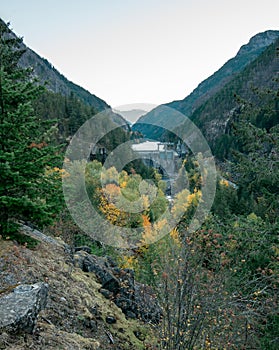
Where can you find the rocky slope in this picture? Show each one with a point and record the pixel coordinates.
(54, 81)
(208, 88)
(81, 310)
(57, 83)
(215, 116)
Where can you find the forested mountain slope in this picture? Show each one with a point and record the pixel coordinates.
(58, 84)
(215, 115)
(208, 88)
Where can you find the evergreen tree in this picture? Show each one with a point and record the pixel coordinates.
(29, 183)
(256, 164)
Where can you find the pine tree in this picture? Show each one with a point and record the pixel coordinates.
(29, 187)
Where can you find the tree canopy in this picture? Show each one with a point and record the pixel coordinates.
(29, 172)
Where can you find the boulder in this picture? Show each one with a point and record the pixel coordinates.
(110, 319)
(91, 263)
(134, 299)
(19, 309)
(84, 248)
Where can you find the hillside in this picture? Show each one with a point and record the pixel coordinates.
(55, 81)
(214, 116)
(58, 84)
(79, 313)
(208, 88)
(246, 54)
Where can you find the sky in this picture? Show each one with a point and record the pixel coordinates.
(139, 51)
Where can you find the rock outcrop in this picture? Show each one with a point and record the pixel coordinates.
(79, 314)
(20, 308)
(134, 299)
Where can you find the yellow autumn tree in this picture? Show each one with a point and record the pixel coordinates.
(108, 196)
(185, 200)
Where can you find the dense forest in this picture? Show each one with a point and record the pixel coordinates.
(217, 286)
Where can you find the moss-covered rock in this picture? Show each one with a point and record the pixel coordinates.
(76, 311)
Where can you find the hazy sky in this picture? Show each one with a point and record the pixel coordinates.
(145, 51)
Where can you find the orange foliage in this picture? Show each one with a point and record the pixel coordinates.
(111, 192)
(37, 145)
(108, 197)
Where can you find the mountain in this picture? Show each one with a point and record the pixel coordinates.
(57, 83)
(259, 77)
(208, 88)
(131, 115)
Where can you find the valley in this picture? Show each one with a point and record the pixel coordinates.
(141, 228)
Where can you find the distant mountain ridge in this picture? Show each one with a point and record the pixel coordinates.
(131, 115)
(208, 88)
